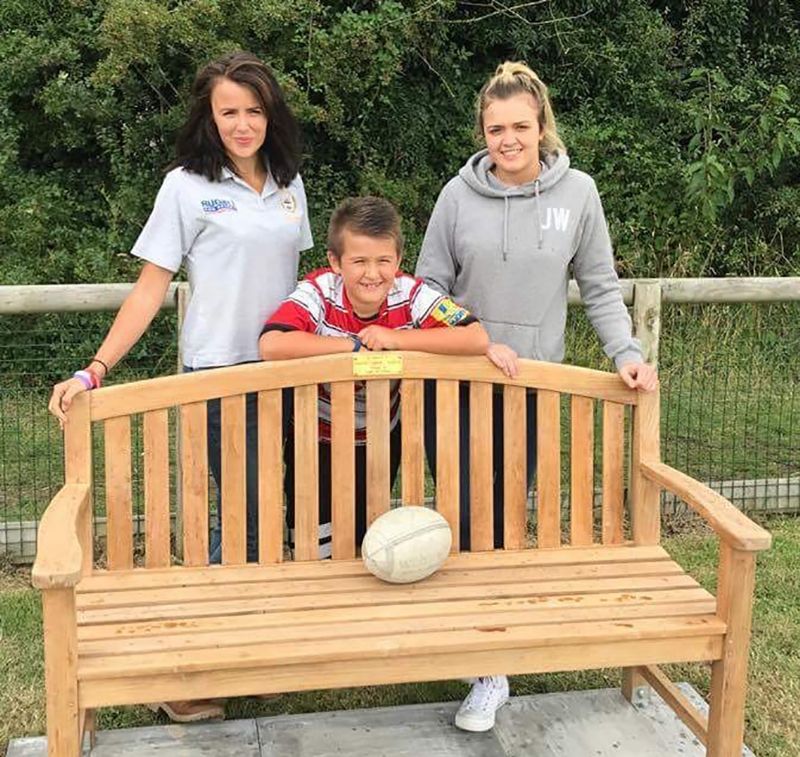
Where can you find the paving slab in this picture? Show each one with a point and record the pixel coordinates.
(598, 723)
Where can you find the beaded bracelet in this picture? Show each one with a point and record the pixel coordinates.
(100, 362)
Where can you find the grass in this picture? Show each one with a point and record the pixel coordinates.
(730, 400)
(772, 728)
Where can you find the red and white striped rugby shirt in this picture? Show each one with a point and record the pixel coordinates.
(320, 305)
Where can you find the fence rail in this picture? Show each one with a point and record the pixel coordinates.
(728, 352)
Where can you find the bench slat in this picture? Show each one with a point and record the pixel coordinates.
(119, 498)
(345, 585)
(306, 479)
(613, 460)
(358, 629)
(224, 606)
(515, 492)
(156, 488)
(692, 597)
(194, 483)
(343, 462)
(447, 456)
(391, 645)
(481, 473)
(270, 478)
(582, 471)
(412, 431)
(548, 476)
(234, 461)
(102, 581)
(378, 422)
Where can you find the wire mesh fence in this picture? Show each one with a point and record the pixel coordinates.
(730, 378)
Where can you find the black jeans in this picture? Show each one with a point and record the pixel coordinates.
(214, 439)
(497, 453)
(325, 484)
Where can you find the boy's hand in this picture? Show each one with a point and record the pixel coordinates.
(639, 376)
(379, 338)
(504, 358)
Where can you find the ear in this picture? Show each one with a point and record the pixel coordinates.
(333, 262)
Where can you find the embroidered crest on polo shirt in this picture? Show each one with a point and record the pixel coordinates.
(288, 202)
(218, 206)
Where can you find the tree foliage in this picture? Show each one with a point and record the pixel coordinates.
(685, 114)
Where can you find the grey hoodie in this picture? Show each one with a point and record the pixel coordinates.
(504, 252)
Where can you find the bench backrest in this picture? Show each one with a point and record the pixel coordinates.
(171, 412)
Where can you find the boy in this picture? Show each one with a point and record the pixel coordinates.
(363, 301)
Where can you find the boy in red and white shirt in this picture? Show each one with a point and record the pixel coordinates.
(363, 301)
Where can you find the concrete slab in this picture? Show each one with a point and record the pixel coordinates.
(412, 731)
(598, 723)
(234, 738)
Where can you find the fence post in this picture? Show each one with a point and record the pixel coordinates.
(182, 297)
(647, 318)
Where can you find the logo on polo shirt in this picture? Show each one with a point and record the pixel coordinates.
(449, 312)
(288, 202)
(218, 206)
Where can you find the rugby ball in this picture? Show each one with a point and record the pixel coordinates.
(406, 544)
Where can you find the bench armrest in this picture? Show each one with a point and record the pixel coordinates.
(732, 525)
(59, 553)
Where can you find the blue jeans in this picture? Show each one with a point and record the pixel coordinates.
(497, 453)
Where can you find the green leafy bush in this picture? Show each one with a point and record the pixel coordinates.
(685, 114)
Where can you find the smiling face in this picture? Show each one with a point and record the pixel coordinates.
(241, 121)
(368, 265)
(511, 131)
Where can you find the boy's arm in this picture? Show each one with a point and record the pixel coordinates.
(284, 345)
(290, 332)
(470, 339)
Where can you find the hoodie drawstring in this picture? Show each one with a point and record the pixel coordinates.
(505, 228)
(506, 210)
(538, 213)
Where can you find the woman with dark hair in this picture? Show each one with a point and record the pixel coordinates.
(233, 207)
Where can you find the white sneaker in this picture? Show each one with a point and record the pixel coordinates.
(477, 711)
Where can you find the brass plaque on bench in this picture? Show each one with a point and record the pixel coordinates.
(377, 364)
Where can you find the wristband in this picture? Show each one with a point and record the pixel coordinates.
(85, 378)
(357, 343)
(89, 379)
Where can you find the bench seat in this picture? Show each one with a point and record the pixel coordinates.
(147, 635)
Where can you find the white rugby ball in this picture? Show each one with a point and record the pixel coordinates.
(406, 544)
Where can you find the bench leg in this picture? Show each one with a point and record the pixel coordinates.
(88, 726)
(60, 672)
(632, 682)
(729, 674)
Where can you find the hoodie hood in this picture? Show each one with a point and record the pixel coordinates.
(506, 252)
(477, 174)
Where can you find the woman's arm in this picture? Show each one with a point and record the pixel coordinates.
(133, 318)
(285, 345)
(456, 340)
(436, 263)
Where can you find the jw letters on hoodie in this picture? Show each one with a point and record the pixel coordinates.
(505, 252)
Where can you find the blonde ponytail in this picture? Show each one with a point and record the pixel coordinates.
(514, 78)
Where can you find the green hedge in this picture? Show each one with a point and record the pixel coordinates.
(683, 112)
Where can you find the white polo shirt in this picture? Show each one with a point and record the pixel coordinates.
(242, 253)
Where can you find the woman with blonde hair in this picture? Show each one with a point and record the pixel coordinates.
(502, 239)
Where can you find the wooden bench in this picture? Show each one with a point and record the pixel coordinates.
(593, 592)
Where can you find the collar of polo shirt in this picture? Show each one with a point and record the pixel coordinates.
(269, 185)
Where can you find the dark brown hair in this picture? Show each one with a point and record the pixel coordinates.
(370, 216)
(199, 148)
